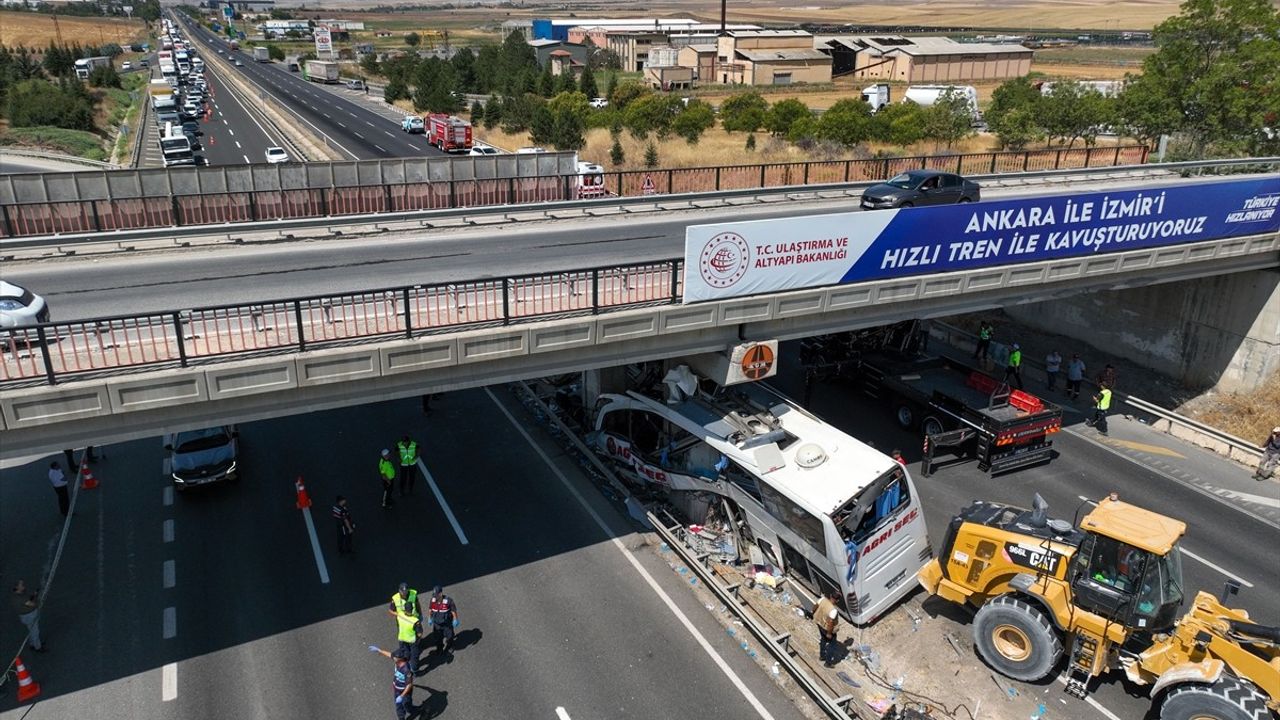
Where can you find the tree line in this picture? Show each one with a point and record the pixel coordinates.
(42, 90)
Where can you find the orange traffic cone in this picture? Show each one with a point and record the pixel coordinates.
(89, 481)
(304, 501)
(28, 689)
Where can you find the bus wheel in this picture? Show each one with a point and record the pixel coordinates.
(906, 418)
(1016, 639)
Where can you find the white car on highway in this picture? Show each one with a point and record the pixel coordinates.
(277, 155)
(19, 307)
(485, 150)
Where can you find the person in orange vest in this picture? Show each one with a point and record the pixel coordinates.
(825, 616)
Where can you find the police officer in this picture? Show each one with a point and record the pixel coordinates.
(1101, 404)
(444, 618)
(404, 608)
(346, 527)
(387, 472)
(406, 599)
(1014, 370)
(408, 450)
(401, 682)
(981, 352)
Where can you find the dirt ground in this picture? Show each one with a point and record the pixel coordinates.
(905, 658)
(37, 30)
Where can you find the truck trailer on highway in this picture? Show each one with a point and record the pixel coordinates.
(85, 66)
(261, 54)
(321, 71)
(927, 95)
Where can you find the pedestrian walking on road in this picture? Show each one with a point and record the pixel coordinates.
(1101, 404)
(401, 682)
(825, 616)
(982, 351)
(1052, 367)
(26, 604)
(1270, 456)
(58, 480)
(408, 450)
(406, 599)
(444, 618)
(1013, 371)
(346, 528)
(1075, 376)
(387, 472)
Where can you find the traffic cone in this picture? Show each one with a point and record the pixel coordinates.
(304, 501)
(88, 482)
(28, 689)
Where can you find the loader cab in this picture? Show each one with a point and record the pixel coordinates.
(1129, 567)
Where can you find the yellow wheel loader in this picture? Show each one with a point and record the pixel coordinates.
(1105, 592)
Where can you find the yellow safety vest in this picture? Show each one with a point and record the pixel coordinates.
(386, 469)
(408, 452)
(408, 627)
(412, 603)
(1015, 358)
(1104, 399)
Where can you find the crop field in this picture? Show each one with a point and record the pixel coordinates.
(37, 29)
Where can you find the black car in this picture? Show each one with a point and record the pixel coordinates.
(918, 188)
(199, 457)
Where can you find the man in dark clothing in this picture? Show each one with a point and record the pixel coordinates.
(444, 618)
(981, 352)
(1270, 456)
(346, 528)
(401, 683)
(407, 448)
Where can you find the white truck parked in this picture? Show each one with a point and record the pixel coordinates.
(927, 95)
(877, 96)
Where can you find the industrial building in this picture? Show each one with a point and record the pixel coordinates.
(922, 59)
(769, 57)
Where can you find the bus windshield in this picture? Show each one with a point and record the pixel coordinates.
(879, 500)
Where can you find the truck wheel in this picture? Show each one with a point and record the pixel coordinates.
(906, 416)
(931, 425)
(1227, 699)
(1016, 639)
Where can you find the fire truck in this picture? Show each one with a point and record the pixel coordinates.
(450, 134)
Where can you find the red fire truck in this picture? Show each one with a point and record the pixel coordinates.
(450, 134)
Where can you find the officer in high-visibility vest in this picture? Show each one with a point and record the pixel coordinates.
(404, 608)
(387, 472)
(1013, 372)
(981, 352)
(408, 450)
(1101, 404)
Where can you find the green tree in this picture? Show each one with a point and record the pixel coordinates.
(35, 103)
(567, 127)
(901, 124)
(486, 68)
(542, 125)
(847, 122)
(651, 155)
(148, 11)
(744, 112)
(1145, 112)
(783, 114)
(1011, 115)
(651, 113)
(622, 94)
(566, 82)
(464, 68)
(696, 118)
(1017, 128)
(434, 85)
(546, 82)
(803, 131)
(610, 86)
(516, 62)
(104, 76)
(396, 89)
(275, 52)
(587, 82)
(949, 119)
(477, 113)
(751, 143)
(369, 64)
(571, 102)
(412, 39)
(616, 156)
(1063, 113)
(1215, 66)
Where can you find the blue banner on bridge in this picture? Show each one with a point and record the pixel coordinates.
(747, 258)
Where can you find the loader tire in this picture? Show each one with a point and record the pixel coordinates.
(1016, 639)
(1227, 699)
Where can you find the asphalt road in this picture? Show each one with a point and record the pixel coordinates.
(79, 288)
(232, 134)
(210, 604)
(361, 133)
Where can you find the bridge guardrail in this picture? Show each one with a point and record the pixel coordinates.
(236, 202)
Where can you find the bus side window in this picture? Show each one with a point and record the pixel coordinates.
(617, 422)
(892, 498)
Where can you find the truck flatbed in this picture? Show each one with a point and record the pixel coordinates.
(933, 375)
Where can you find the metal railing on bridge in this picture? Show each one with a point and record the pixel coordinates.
(215, 196)
(179, 338)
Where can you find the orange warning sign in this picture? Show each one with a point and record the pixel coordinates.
(757, 362)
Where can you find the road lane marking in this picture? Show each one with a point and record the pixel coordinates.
(168, 494)
(233, 132)
(1194, 556)
(168, 531)
(246, 159)
(342, 125)
(562, 714)
(315, 546)
(388, 133)
(366, 122)
(169, 682)
(448, 512)
(170, 629)
(358, 135)
(1092, 703)
(1256, 499)
(238, 145)
(170, 575)
(653, 584)
(380, 148)
(326, 115)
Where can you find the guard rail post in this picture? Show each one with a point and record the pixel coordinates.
(408, 316)
(992, 171)
(675, 280)
(43, 338)
(884, 169)
(177, 211)
(511, 189)
(324, 201)
(761, 175)
(4, 221)
(595, 291)
(717, 178)
(1116, 160)
(670, 175)
(453, 194)
(253, 205)
(848, 166)
(806, 174)
(97, 222)
(568, 188)
(506, 301)
(1057, 160)
(177, 333)
(297, 318)
(1026, 159)
(386, 195)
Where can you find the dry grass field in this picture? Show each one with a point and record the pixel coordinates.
(37, 30)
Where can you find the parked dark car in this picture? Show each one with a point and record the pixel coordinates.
(199, 457)
(918, 188)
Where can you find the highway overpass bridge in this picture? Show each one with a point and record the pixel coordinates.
(124, 378)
